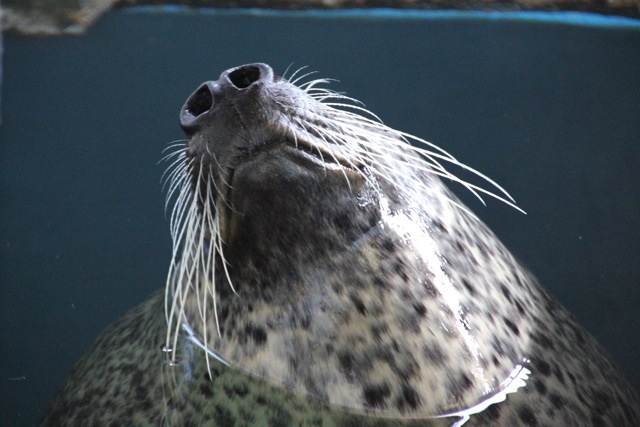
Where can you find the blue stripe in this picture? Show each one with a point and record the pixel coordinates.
(570, 18)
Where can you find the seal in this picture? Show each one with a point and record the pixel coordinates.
(323, 274)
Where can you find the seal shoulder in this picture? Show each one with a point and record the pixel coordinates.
(115, 373)
(124, 379)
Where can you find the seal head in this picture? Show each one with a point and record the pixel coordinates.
(263, 174)
(314, 254)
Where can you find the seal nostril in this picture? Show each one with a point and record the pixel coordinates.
(200, 102)
(243, 77)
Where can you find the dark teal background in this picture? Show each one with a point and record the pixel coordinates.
(550, 111)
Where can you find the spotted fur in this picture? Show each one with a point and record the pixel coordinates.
(324, 275)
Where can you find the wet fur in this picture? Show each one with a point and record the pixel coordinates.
(318, 254)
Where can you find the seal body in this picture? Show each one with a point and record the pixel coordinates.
(324, 275)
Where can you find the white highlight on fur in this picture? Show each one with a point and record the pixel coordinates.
(516, 380)
(409, 227)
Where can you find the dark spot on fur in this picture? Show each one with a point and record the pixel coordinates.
(379, 282)
(206, 389)
(540, 387)
(385, 353)
(419, 308)
(543, 367)
(511, 326)
(224, 311)
(518, 279)
(543, 340)
(582, 399)
(469, 287)
(223, 416)
(465, 382)
(409, 323)
(235, 390)
(434, 354)
(388, 246)
(378, 329)
(459, 384)
(559, 375)
(373, 216)
(346, 361)
(556, 400)
(409, 399)
(439, 225)
(257, 332)
(527, 416)
(496, 345)
(305, 320)
(343, 222)
(505, 291)
(375, 395)
(519, 307)
(357, 302)
(329, 348)
(278, 415)
(400, 269)
(337, 287)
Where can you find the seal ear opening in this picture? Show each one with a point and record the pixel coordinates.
(198, 103)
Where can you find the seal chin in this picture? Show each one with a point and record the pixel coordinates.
(272, 213)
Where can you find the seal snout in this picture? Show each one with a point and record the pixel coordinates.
(231, 85)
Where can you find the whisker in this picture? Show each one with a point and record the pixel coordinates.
(284, 75)
(303, 76)
(293, 76)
